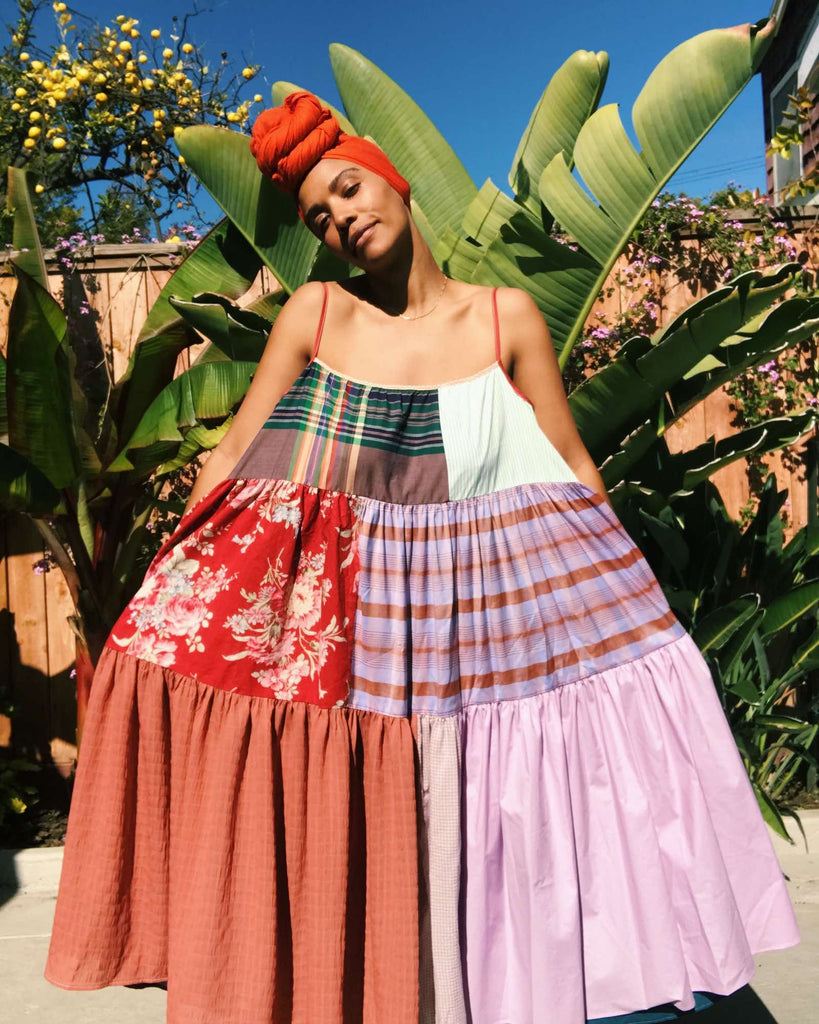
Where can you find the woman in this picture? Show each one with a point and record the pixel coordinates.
(400, 726)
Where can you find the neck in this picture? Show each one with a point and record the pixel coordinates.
(411, 284)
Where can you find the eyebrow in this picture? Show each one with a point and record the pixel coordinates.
(316, 208)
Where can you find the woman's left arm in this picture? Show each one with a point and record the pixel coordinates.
(528, 353)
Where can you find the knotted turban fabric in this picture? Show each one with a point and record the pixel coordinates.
(288, 141)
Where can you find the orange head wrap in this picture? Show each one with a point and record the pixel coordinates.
(288, 141)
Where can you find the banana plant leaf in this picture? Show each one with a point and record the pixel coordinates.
(770, 812)
(23, 488)
(205, 392)
(669, 537)
(457, 257)
(716, 629)
(38, 385)
(730, 653)
(268, 305)
(223, 259)
(237, 333)
(680, 472)
(197, 440)
(566, 104)
(614, 400)
(221, 160)
(25, 238)
(378, 107)
(522, 256)
(762, 337)
(682, 99)
(804, 660)
(789, 608)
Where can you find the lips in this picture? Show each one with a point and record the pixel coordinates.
(355, 241)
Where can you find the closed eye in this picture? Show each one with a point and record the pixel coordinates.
(351, 191)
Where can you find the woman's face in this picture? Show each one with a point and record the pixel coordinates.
(339, 200)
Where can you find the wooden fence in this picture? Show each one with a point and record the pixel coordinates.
(121, 284)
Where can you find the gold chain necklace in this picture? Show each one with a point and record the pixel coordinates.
(418, 316)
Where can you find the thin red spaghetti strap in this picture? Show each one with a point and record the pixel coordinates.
(497, 328)
(321, 320)
(513, 385)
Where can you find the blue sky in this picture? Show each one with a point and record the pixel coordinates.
(478, 68)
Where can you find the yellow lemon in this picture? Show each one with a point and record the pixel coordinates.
(101, 97)
(187, 48)
(248, 72)
(38, 188)
(258, 98)
(35, 115)
(29, 143)
(34, 131)
(155, 33)
(20, 92)
(167, 53)
(58, 143)
(25, 56)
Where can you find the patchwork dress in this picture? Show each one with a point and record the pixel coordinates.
(400, 728)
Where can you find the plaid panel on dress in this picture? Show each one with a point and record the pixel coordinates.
(331, 432)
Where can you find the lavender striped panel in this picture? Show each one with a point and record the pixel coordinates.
(497, 597)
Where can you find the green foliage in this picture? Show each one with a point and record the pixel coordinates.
(17, 792)
(751, 603)
(95, 461)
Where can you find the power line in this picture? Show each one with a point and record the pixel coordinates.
(734, 165)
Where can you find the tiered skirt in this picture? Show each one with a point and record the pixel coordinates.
(512, 797)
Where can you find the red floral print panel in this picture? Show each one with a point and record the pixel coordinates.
(254, 593)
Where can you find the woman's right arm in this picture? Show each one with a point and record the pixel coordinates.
(286, 353)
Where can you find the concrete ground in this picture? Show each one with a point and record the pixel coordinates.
(785, 988)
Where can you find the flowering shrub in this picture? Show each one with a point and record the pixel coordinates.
(727, 247)
(101, 108)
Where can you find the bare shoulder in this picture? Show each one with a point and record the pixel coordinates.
(297, 321)
(522, 326)
(516, 302)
